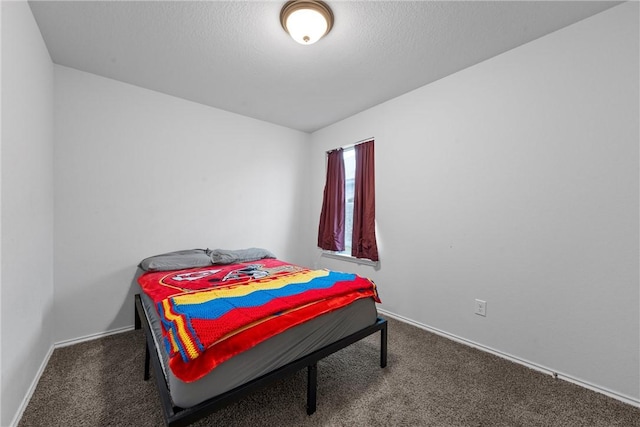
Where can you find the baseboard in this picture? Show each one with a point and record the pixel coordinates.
(32, 388)
(618, 396)
(65, 343)
(545, 370)
(91, 337)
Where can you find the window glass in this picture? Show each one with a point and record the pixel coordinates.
(349, 157)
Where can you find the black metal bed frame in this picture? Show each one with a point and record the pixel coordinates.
(175, 416)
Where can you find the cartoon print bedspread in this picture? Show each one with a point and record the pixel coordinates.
(211, 314)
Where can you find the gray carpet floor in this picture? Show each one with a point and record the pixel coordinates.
(429, 381)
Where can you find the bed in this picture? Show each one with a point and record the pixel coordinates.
(204, 358)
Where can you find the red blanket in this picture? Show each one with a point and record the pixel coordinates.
(211, 314)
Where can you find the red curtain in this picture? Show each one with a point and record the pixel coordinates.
(331, 229)
(364, 204)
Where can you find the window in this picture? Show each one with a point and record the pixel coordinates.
(347, 220)
(349, 158)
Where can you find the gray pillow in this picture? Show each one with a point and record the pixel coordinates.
(224, 256)
(179, 260)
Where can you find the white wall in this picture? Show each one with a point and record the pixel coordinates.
(139, 173)
(27, 205)
(515, 181)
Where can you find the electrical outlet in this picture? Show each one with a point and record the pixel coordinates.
(481, 307)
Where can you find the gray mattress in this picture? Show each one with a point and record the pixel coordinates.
(264, 357)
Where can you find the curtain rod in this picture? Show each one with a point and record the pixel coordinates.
(344, 147)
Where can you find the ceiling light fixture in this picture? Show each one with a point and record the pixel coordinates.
(306, 21)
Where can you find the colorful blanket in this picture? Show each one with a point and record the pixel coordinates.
(211, 314)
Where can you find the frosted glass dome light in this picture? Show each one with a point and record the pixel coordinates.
(306, 21)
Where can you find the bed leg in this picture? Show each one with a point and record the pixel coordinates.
(312, 384)
(136, 318)
(383, 346)
(147, 356)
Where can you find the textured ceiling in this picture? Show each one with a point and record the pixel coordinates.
(235, 55)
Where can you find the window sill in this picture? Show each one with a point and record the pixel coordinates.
(349, 258)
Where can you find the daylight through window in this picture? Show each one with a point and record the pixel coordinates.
(349, 157)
